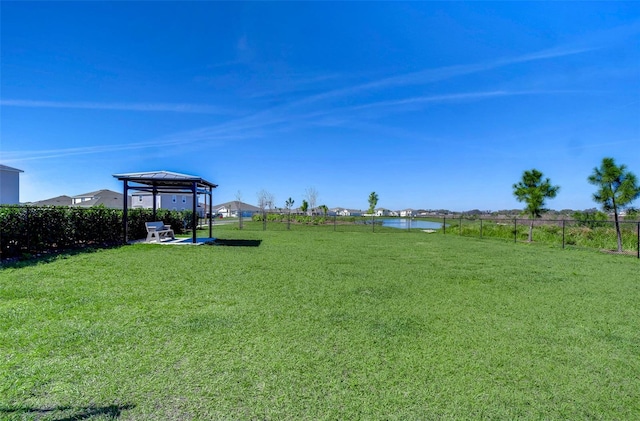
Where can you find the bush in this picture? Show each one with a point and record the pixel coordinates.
(33, 230)
(591, 219)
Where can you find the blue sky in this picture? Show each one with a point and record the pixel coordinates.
(430, 104)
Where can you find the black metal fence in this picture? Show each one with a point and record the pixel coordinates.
(29, 230)
(596, 234)
(281, 222)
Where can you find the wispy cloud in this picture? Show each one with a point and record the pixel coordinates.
(462, 97)
(119, 106)
(428, 76)
(302, 111)
(14, 156)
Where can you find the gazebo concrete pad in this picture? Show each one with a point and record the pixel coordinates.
(177, 242)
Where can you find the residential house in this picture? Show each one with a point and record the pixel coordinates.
(348, 212)
(174, 202)
(105, 197)
(232, 209)
(407, 213)
(382, 212)
(9, 185)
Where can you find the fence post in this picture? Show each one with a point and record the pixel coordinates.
(444, 224)
(563, 233)
(480, 227)
(515, 230)
(373, 222)
(334, 222)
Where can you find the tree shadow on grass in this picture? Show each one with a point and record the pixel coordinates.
(235, 243)
(68, 413)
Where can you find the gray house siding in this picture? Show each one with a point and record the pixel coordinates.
(9, 185)
(173, 202)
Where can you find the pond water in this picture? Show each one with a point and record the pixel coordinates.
(405, 223)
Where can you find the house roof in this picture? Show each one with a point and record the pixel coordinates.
(164, 181)
(7, 168)
(106, 198)
(233, 205)
(97, 193)
(63, 200)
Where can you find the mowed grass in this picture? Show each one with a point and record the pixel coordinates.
(322, 325)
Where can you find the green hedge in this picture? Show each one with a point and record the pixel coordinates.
(32, 230)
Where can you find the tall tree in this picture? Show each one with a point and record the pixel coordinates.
(617, 188)
(533, 190)
(373, 201)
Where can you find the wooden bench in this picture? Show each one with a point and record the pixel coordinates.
(156, 231)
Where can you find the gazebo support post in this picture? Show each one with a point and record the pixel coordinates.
(155, 194)
(125, 211)
(194, 219)
(210, 210)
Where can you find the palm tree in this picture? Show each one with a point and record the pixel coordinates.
(617, 188)
(288, 204)
(533, 190)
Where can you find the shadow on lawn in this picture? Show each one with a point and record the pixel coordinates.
(28, 259)
(69, 413)
(235, 243)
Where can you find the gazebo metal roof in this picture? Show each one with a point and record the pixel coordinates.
(166, 182)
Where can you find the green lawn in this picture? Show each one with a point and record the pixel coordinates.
(315, 324)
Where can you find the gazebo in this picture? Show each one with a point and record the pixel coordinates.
(157, 182)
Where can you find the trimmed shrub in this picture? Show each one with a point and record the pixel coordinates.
(28, 230)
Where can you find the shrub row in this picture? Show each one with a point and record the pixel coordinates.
(299, 219)
(32, 230)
